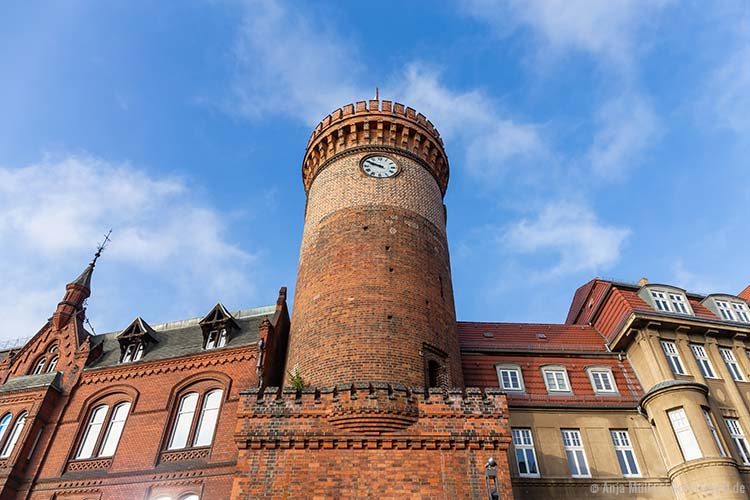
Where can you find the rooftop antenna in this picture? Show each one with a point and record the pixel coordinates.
(90, 326)
(101, 246)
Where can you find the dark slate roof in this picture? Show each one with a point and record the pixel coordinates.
(182, 338)
(25, 382)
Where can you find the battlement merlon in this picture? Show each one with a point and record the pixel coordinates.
(381, 124)
(373, 415)
(466, 402)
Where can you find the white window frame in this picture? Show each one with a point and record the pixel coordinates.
(740, 311)
(725, 309)
(714, 432)
(209, 418)
(15, 434)
(704, 363)
(734, 368)
(661, 300)
(133, 352)
(115, 427)
(216, 339)
(600, 373)
(94, 425)
(625, 453)
(679, 303)
(738, 437)
(673, 357)
(39, 366)
(684, 434)
(557, 380)
(575, 453)
(183, 421)
(510, 369)
(523, 444)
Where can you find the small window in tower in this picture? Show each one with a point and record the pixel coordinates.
(433, 373)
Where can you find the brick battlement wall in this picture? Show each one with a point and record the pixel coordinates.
(380, 124)
(370, 440)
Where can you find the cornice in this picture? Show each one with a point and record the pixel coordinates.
(183, 363)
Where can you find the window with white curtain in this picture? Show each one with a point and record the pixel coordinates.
(91, 434)
(114, 429)
(209, 416)
(196, 419)
(183, 421)
(103, 431)
(684, 433)
(15, 434)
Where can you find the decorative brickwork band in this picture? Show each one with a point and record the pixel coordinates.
(375, 123)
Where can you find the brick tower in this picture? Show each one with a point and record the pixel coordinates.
(374, 300)
(384, 412)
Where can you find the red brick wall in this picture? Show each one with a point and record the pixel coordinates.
(384, 442)
(137, 469)
(369, 296)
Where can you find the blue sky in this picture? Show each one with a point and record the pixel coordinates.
(586, 139)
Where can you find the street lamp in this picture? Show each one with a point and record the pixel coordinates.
(490, 479)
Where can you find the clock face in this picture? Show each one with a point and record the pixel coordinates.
(379, 166)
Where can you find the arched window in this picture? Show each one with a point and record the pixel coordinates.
(191, 496)
(52, 364)
(15, 433)
(96, 443)
(4, 423)
(195, 421)
(39, 366)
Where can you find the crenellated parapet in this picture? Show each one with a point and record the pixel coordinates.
(373, 415)
(375, 123)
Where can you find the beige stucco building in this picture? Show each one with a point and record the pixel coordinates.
(642, 393)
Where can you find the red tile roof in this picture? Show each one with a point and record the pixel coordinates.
(745, 294)
(479, 371)
(529, 336)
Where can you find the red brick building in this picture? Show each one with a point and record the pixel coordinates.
(373, 388)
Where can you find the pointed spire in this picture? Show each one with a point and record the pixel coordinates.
(78, 290)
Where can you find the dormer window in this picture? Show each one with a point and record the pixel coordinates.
(135, 340)
(724, 310)
(678, 303)
(666, 299)
(133, 352)
(728, 307)
(217, 327)
(216, 339)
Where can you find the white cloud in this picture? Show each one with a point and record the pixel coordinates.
(573, 233)
(605, 29)
(626, 127)
(291, 63)
(166, 243)
(494, 144)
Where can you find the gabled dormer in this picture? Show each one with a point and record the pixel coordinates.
(136, 340)
(218, 327)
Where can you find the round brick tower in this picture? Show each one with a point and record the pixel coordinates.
(374, 300)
